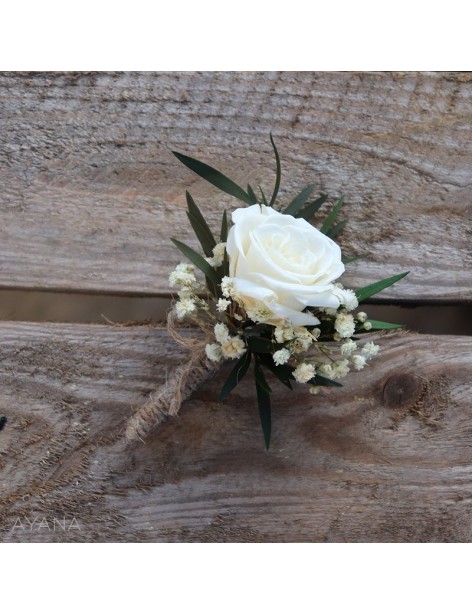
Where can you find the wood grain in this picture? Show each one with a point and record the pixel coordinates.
(386, 458)
(91, 193)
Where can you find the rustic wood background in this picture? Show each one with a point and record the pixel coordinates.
(90, 196)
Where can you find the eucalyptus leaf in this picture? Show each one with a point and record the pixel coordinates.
(210, 174)
(367, 291)
(278, 173)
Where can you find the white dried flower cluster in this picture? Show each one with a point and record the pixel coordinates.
(259, 312)
(304, 372)
(218, 255)
(345, 325)
(222, 304)
(228, 346)
(358, 361)
(214, 352)
(300, 338)
(281, 356)
(227, 287)
(184, 276)
(370, 349)
(348, 347)
(185, 307)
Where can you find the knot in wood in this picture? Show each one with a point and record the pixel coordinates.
(401, 389)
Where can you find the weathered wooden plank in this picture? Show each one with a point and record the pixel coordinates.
(91, 193)
(386, 458)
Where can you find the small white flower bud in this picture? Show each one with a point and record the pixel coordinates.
(281, 356)
(358, 361)
(304, 372)
(214, 352)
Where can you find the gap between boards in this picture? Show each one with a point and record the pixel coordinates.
(40, 306)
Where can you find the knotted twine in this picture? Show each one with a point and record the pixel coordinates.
(166, 400)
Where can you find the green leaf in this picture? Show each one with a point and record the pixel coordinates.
(252, 195)
(377, 325)
(262, 345)
(264, 199)
(332, 216)
(297, 203)
(224, 228)
(236, 375)
(319, 380)
(336, 229)
(197, 260)
(263, 402)
(354, 258)
(367, 291)
(214, 177)
(200, 227)
(283, 372)
(309, 211)
(278, 173)
(260, 379)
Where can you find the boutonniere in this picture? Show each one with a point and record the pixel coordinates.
(265, 293)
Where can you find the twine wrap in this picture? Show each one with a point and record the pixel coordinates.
(166, 400)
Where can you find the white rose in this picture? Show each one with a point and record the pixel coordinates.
(281, 264)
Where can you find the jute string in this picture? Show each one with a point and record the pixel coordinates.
(166, 400)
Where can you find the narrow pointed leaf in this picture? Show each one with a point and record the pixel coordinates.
(200, 227)
(225, 265)
(297, 203)
(205, 240)
(264, 199)
(377, 325)
(252, 195)
(197, 260)
(262, 345)
(236, 375)
(210, 174)
(283, 372)
(309, 211)
(354, 258)
(336, 229)
(224, 269)
(260, 379)
(278, 173)
(263, 402)
(224, 228)
(367, 291)
(332, 216)
(319, 380)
